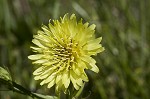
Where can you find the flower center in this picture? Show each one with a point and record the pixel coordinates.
(66, 53)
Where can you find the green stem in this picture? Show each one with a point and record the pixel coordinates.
(69, 94)
(19, 89)
(80, 91)
(13, 86)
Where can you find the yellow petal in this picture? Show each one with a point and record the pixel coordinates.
(92, 27)
(36, 49)
(95, 51)
(36, 77)
(86, 24)
(49, 79)
(35, 57)
(74, 83)
(46, 30)
(51, 83)
(84, 77)
(36, 42)
(94, 68)
(72, 17)
(66, 79)
(76, 69)
(93, 44)
(48, 63)
(58, 86)
(46, 73)
(38, 71)
(88, 59)
(91, 63)
(41, 61)
(74, 78)
(82, 64)
(58, 78)
(65, 18)
(80, 82)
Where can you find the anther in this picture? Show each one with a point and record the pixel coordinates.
(56, 55)
(72, 59)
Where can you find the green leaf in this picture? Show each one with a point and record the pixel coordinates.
(46, 96)
(4, 74)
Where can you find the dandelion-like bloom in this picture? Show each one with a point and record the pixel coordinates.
(63, 51)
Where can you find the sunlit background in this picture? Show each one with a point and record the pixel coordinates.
(123, 24)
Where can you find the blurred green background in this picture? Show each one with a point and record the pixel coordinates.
(123, 24)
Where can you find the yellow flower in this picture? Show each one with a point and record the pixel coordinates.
(63, 51)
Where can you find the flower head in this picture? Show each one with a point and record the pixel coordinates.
(63, 51)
